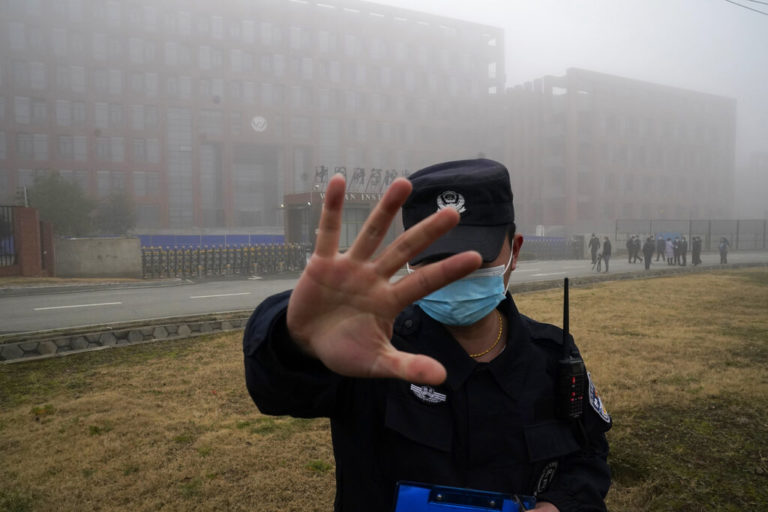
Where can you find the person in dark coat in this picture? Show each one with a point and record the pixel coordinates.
(648, 247)
(683, 251)
(606, 252)
(696, 250)
(594, 246)
(661, 248)
(435, 377)
(676, 250)
(723, 248)
(630, 248)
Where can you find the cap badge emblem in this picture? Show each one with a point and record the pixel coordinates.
(451, 199)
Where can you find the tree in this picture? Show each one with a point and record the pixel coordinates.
(115, 215)
(62, 203)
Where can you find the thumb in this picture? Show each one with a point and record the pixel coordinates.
(415, 368)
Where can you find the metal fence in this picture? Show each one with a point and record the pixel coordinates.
(551, 248)
(7, 247)
(743, 234)
(243, 260)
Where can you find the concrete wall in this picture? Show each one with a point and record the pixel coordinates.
(98, 257)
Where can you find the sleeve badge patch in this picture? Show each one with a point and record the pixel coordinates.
(596, 402)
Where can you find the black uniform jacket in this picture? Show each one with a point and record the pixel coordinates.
(489, 426)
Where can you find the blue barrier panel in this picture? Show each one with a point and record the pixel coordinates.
(237, 240)
(213, 240)
(186, 240)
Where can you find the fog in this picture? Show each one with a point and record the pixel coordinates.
(218, 116)
(710, 46)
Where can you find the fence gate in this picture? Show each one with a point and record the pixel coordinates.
(7, 247)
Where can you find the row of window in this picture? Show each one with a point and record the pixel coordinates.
(250, 32)
(106, 182)
(78, 79)
(35, 146)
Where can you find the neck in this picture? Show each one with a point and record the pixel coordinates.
(481, 335)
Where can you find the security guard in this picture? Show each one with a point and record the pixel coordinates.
(435, 377)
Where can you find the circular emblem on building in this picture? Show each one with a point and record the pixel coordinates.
(259, 124)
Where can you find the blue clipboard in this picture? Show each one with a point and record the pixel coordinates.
(419, 497)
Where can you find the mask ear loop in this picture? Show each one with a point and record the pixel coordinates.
(509, 262)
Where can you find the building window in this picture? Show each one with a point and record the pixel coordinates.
(150, 84)
(22, 108)
(301, 128)
(137, 117)
(39, 112)
(40, 146)
(139, 184)
(99, 47)
(185, 87)
(153, 151)
(63, 113)
(210, 122)
(115, 115)
(103, 183)
(37, 79)
(24, 146)
(80, 148)
(77, 78)
(18, 35)
(66, 149)
(135, 50)
(102, 148)
(101, 115)
(150, 115)
(171, 54)
(78, 113)
(117, 149)
(115, 81)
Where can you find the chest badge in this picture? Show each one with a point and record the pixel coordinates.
(427, 394)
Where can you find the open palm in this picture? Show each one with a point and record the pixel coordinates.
(344, 305)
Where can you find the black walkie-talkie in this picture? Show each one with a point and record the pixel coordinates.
(573, 374)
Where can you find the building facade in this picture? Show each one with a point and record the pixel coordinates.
(208, 114)
(586, 148)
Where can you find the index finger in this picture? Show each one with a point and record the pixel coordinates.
(329, 227)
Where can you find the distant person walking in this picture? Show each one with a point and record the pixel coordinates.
(648, 247)
(669, 251)
(606, 252)
(683, 251)
(696, 250)
(594, 246)
(723, 247)
(661, 248)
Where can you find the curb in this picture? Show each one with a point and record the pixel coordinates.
(55, 343)
(31, 346)
(15, 291)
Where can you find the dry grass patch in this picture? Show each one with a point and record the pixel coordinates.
(680, 362)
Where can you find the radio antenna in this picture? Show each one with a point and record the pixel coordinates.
(566, 344)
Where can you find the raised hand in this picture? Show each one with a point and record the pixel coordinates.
(344, 305)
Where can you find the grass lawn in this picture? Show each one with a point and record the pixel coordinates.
(681, 362)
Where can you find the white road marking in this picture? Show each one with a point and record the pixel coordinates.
(518, 269)
(548, 274)
(219, 295)
(80, 306)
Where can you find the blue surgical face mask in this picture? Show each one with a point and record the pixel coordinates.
(469, 299)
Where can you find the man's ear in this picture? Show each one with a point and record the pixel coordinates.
(517, 243)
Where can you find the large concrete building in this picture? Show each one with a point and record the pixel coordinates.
(207, 114)
(586, 148)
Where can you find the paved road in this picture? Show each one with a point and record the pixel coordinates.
(87, 306)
